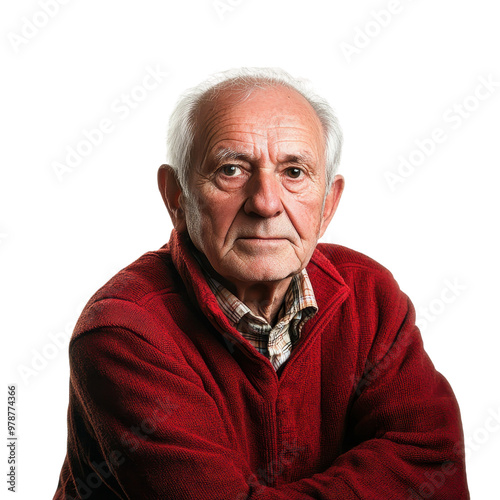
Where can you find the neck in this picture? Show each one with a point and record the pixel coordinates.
(263, 299)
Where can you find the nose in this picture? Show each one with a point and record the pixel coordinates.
(264, 195)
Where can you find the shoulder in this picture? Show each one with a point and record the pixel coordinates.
(152, 273)
(376, 307)
(347, 261)
(362, 274)
(130, 300)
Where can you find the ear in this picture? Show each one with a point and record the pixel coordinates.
(171, 193)
(331, 202)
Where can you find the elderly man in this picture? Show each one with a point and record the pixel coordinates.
(243, 360)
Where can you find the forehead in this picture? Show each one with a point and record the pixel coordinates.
(277, 117)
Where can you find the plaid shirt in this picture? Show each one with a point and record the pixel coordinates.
(276, 342)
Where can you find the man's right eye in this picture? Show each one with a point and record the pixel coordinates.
(230, 170)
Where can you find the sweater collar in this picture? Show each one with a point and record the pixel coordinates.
(328, 285)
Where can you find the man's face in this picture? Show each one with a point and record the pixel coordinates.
(257, 185)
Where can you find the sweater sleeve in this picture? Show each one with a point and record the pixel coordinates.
(125, 441)
(405, 423)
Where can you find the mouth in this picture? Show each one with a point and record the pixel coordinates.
(261, 238)
(257, 246)
(258, 242)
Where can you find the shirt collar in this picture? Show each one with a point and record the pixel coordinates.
(298, 298)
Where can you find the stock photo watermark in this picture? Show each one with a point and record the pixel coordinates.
(373, 371)
(451, 290)
(452, 119)
(366, 32)
(121, 108)
(12, 437)
(32, 25)
(56, 343)
(287, 457)
(40, 358)
(435, 480)
(223, 7)
(130, 441)
(481, 435)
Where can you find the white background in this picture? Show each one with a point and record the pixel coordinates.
(61, 239)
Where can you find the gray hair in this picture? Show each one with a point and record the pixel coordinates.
(181, 128)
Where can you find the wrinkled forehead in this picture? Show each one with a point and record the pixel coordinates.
(256, 108)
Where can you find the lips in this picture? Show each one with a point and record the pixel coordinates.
(251, 241)
(262, 240)
(264, 232)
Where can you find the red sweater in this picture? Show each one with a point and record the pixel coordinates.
(168, 401)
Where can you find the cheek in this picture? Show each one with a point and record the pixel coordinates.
(306, 218)
(221, 209)
(210, 219)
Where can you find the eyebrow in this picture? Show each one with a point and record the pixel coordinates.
(299, 158)
(224, 154)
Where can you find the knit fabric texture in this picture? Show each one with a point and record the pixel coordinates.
(169, 401)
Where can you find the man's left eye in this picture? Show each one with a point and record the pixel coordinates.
(294, 172)
(231, 170)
